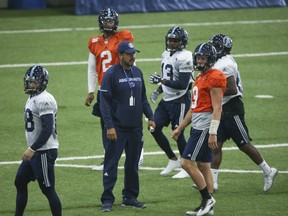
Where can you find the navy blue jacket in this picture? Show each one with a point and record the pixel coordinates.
(115, 94)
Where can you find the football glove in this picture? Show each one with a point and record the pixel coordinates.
(154, 96)
(154, 78)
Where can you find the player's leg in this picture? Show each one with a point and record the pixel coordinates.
(43, 167)
(96, 112)
(23, 177)
(242, 139)
(197, 150)
(177, 114)
(162, 119)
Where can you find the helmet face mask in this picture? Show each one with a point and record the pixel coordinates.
(204, 50)
(108, 21)
(222, 43)
(35, 80)
(176, 39)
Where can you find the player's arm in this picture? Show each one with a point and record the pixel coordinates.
(47, 122)
(92, 79)
(182, 83)
(231, 88)
(186, 121)
(216, 94)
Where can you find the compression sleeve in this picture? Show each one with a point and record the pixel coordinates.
(92, 73)
(182, 83)
(47, 128)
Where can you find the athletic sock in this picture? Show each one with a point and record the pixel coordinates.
(214, 175)
(265, 167)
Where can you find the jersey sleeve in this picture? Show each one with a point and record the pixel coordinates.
(46, 104)
(92, 43)
(185, 62)
(218, 80)
(126, 35)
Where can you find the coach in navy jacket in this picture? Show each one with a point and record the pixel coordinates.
(123, 103)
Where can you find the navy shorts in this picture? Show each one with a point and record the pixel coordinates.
(170, 112)
(40, 167)
(235, 128)
(197, 146)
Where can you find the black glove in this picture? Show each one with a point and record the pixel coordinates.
(155, 78)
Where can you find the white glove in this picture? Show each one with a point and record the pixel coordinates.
(154, 78)
(154, 96)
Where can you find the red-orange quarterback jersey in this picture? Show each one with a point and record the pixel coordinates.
(105, 51)
(201, 100)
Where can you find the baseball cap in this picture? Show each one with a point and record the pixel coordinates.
(126, 47)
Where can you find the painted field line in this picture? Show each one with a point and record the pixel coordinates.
(161, 168)
(138, 60)
(279, 145)
(248, 22)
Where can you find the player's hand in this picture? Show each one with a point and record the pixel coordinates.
(175, 134)
(154, 96)
(89, 99)
(154, 78)
(28, 154)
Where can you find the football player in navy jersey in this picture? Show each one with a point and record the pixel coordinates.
(40, 126)
(177, 76)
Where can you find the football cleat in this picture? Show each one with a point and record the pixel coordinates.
(172, 164)
(269, 179)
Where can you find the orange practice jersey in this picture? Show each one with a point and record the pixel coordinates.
(201, 100)
(105, 51)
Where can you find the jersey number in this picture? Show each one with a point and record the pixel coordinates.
(29, 123)
(107, 58)
(194, 97)
(169, 69)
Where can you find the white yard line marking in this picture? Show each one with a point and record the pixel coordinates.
(138, 60)
(151, 153)
(248, 22)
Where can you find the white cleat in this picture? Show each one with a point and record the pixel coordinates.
(194, 212)
(181, 174)
(269, 179)
(172, 164)
(98, 168)
(206, 206)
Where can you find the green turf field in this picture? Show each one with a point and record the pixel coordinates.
(263, 32)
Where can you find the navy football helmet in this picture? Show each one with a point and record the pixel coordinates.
(179, 34)
(36, 74)
(222, 43)
(205, 49)
(108, 20)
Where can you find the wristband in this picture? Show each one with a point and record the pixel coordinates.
(31, 149)
(214, 126)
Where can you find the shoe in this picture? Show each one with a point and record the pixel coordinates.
(99, 168)
(181, 174)
(172, 164)
(206, 206)
(215, 187)
(194, 212)
(106, 207)
(269, 179)
(133, 203)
